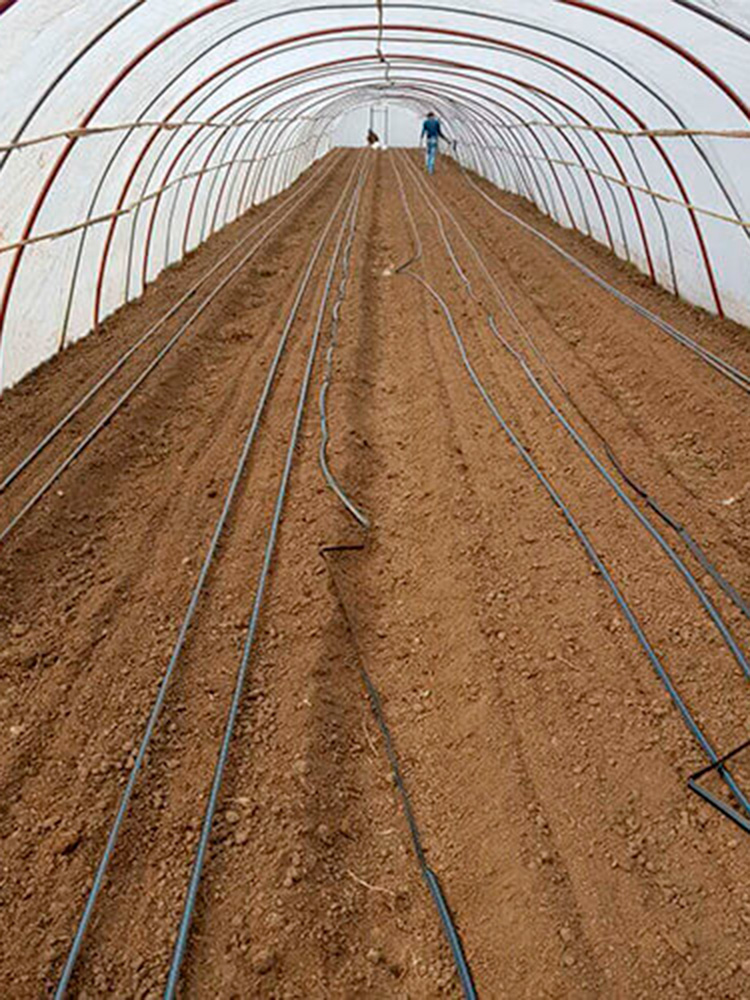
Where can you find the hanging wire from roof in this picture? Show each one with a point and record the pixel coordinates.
(379, 44)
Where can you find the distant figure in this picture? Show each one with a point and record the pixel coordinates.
(432, 131)
(373, 139)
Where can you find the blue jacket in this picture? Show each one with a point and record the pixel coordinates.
(431, 129)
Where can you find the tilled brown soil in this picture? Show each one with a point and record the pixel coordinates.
(546, 764)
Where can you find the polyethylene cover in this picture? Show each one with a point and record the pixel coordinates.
(596, 111)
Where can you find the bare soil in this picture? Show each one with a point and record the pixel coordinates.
(546, 764)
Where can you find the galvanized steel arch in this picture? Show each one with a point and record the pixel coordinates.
(540, 135)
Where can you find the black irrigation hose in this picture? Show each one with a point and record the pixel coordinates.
(689, 578)
(433, 883)
(697, 552)
(692, 545)
(191, 897)
(684, 535)
(86, 440)
(289, 204)
(153, 718)
(463, 970)
(674, 558)
(729, 371)
(578, 531)
(717, 764)
(723, 807)
(330, 479)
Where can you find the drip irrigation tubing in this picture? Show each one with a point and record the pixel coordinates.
(578, 531)
(692, 545)
(677, 562)
(713, 800)
(717, 766)
(217, 534)
(191, 896)
(689, 578)
(447, 921)
(325, 436)
(135, 385)
(735, 375)
(294, 201)
(431, 879)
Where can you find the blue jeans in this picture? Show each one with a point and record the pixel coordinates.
(432, 148)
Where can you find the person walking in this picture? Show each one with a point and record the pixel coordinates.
(432, 132)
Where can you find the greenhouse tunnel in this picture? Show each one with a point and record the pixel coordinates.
(374, 504)
(142, 128)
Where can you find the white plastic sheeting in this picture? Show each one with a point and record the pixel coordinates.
(542, 96)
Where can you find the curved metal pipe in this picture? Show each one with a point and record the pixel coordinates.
(628, 22)
(445, 61)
